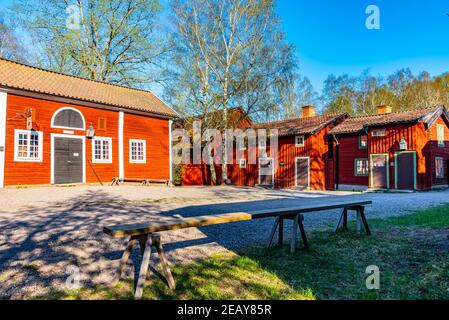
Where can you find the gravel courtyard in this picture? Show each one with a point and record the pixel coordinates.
(45, 230)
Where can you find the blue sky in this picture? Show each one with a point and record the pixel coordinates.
(330, 36)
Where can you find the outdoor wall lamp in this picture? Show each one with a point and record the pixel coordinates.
(403, 144)
(90, 133)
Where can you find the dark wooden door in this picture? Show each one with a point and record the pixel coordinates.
(405, 171)
(68, 160)
(266, 172)
(379, 171)
(302, 172)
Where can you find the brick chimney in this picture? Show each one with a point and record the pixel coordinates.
(383, 109)
(308, 111)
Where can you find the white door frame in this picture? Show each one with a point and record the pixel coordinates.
(58, 135)
(272, 161)
(308, 170)
(3, 106)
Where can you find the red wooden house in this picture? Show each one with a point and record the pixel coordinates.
(301, 160)
(57, 129)
(404, 150)
(200, 174)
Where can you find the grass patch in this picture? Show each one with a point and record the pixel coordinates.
(412, 253)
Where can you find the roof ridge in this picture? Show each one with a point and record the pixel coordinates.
(335, 115)
(397, 112)
(78, 77)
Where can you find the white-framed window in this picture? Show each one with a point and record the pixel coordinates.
(361, 167)
(299, 141)
(28, 146)
(137, 151)
(440, 135)
(439, 167)
(242, 163)
(379, 133)
(101, 150)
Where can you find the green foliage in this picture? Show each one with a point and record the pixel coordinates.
(360, 95)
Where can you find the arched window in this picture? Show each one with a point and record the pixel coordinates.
(68, 118)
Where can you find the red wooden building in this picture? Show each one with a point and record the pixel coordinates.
(194, 174)
(57, 129)
(301, 160)
(404, 150)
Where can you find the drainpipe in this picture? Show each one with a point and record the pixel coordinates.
(337, 162)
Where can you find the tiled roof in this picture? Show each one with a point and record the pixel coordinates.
(298, 126)
(19, 76)
(357, 124)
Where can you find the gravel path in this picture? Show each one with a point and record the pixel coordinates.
(45, 230)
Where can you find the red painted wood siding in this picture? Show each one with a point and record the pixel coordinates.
(349, 151)
(156, 134)
(436, 151)
(316, 148)
(155, 131)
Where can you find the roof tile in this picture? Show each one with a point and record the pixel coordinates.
(357, 124)
(24, 77)
(298, 126)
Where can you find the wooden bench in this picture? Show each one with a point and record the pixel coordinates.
(146, 234)
(144, 182)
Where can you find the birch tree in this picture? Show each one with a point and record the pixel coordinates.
(11, 47)
(239, 47)
(107, 40)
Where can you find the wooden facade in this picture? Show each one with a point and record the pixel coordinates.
(290, 163)
(155, 132)
(52, 139)
(421, 148)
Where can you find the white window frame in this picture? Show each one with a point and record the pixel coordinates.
(63, 127)
(102, 139)
(442, 169)
(16, 145)
(440, 135)
(131, 141)
(302, 144)
(242, 163)
(379, 133)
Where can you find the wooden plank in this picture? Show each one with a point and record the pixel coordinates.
(174, 224)
(120, 231)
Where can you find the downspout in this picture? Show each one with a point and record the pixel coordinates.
(337, 162)
(170, 148)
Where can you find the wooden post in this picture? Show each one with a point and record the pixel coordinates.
(281, 231)
(165, 267)
(273, 231)
(359, 222)
(303, 231)
(365, 222)
(294, 235)
(345, 219)
(144, 266)
(124, 259)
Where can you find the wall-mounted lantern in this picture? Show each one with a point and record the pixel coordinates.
(90, 133)
(403, 144)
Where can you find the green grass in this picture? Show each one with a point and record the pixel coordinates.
(412, 253)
